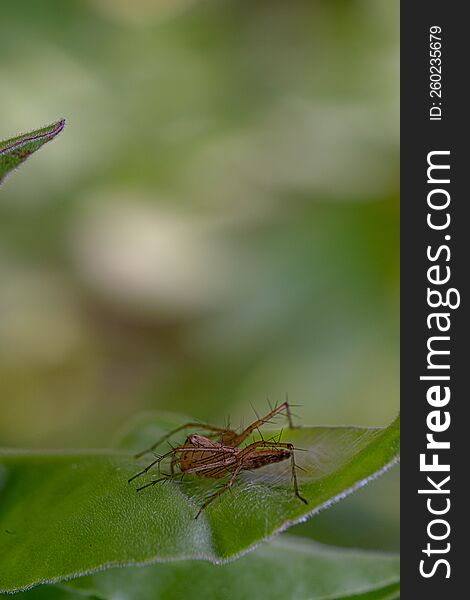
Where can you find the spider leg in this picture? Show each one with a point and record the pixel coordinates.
(211, 466)
(284, 407)
(294, 475)
(180, 428)
(174, 461)
(155, 481)
(146, 470)
(219, 493)
(173, 452)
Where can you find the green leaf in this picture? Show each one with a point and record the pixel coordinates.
(287, 568)
(77, 511)
(16, 150)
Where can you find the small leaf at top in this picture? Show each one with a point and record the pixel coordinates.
(16, 150)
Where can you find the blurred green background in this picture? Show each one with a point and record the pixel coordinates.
(217, 225)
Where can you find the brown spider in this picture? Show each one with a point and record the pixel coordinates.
(219, 454)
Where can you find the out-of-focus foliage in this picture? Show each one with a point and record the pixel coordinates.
(218, 226)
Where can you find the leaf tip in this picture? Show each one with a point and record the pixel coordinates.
(16, 150)
(58, 127)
